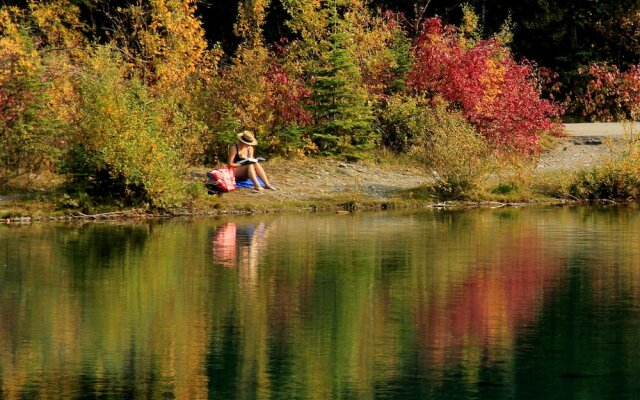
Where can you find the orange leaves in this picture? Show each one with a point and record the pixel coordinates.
(167, 42)
(60, 23)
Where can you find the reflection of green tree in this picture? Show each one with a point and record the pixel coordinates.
(586, 345)
(582, 348)
(136, 321)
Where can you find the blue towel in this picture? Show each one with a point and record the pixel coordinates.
(246, 183)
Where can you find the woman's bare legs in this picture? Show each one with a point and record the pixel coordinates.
(260, 172)
(252, 171)
(248, 171)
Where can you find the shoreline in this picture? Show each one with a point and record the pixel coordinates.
(135, 215)
(322, 185)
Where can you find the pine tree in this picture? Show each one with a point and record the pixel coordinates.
(343, 115)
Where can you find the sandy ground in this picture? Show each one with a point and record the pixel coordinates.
(602, 129)
(578, 152)
(586, 145)
(317, 179)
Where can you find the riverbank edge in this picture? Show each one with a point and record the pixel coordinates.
(139, 214)
(316, 185)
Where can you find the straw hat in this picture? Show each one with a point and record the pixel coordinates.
(247, 138)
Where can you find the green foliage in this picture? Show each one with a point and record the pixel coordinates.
(27, 126)
(224, 125)
(403, 123)
(611, 182)
(286, 140)
(343, 115)
(119, 147)
(616, 179)
(401, 50)
(454, 152)
(504, 188)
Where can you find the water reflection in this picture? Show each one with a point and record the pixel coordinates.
(476, 304)
(240, 246)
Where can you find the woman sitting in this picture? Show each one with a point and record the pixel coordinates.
(242, 151)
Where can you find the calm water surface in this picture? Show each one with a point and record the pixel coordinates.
(481, 304)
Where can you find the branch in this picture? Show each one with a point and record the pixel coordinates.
(419, 14)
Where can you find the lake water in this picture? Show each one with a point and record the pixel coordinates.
(480, 304)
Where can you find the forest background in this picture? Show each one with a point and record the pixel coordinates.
(119, 97)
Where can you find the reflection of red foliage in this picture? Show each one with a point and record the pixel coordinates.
(495, 93)
(224, 245)
(490, 306)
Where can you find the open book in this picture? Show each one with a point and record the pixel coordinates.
(250, 160)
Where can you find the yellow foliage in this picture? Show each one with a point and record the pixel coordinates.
(469, 32)
(310, 19)
(251, 18)
(20, 58)
(14, 41)
(492, 81)
(60, 23)
(169, 42)
(245, 84)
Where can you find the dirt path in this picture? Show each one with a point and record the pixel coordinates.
(601, 129)
(317, 179)
(587, 145)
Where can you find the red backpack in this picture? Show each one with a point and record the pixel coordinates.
(224, 178)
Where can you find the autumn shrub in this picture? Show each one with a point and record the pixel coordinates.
(610, 94)
(403, 123)
(27, 125)
(163, 44)
(119, 147)
(255, 92)
(381, 47)
(610, 182)
(285, 99)
(616, 179)
(495, 93)
(455, 154)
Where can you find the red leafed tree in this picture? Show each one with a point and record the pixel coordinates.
(286, 98)
(498, 95)
(611, 94)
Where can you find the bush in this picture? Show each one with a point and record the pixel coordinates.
(455, 153)
(617, 179)
(498, 95)
(120, 144)
(27, 126)
(611, 94)
(403, 123)
(606, 183)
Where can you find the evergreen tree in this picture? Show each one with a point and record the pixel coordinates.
(343, 115)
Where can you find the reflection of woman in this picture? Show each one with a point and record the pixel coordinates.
(224, 245)
(240, 246)
(242, 150)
